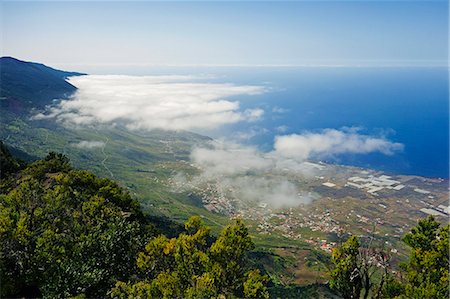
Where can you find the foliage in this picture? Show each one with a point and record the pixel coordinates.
(356, 269)
(425, 275)
(393, 288)
(428, 268)
(8, 164)
(68, 233)
(65, 232)
(192, 266)
(344, 277)
(254, 286)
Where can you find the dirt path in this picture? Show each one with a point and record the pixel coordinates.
(106, 158)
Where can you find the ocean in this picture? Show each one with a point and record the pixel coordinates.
(409, 105)
(406, 105)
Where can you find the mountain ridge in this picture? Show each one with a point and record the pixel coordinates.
(27, 85)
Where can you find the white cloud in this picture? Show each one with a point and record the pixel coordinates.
(249, 133)
(224, 158)
(249, 174)
(277, 192)
(281, 129)
(230, 159)
(279, 110)
(254, 114)
(89, 144)
(154, 102)
(331, 142)
(255, 176)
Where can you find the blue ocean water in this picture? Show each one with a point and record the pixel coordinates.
(406, 105)
(409, 105)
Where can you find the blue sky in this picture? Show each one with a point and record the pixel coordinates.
(227, 33)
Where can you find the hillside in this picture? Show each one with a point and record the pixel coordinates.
(25, 85)
(292, 245)
(144, 163)
(65, 232)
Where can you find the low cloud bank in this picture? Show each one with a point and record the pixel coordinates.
(89, 144)
(255, 176)
(331, 142)
(230, 159)
(277, 192)
(154, 102)
(249, 175)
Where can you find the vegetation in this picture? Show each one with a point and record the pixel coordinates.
(144, 163)
(426, 273)
(66, 232)
(364, 272)
(8, 164)
(359, 272)
(190, 266)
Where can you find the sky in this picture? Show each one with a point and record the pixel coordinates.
(253, 33)
(86, 35)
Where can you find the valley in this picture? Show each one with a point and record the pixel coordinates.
(149, 164)
(296, 211)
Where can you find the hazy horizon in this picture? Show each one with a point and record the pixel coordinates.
(249, 34)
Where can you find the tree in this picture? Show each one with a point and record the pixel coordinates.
(425, 275)
(230, 259)
(254, 286)
(192, 266)
(345, 276)
(65, 232)
(355, 268)
(393, 287)
(8, 164)
(427, 272)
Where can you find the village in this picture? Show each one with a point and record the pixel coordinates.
(356, 201)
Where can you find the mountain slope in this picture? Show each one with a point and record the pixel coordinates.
(25, 85)
(144, 163)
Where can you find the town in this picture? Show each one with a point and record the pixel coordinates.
(344, 200)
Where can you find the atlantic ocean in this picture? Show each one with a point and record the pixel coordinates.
(409, 105)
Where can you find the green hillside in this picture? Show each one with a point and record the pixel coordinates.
(143, 163)
(139, 167)
(66, 232)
